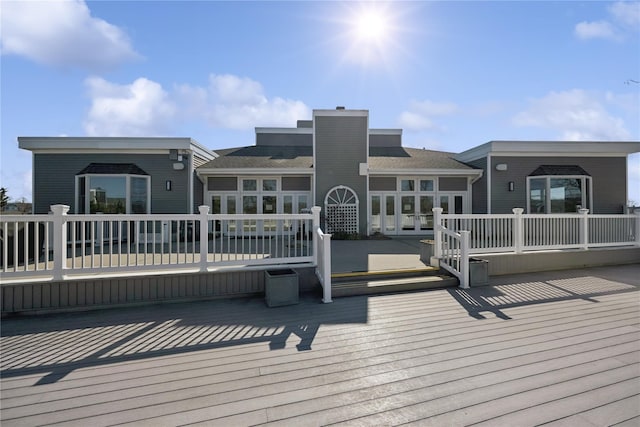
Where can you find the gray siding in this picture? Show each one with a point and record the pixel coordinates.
(296, 183)
(340, 146)
(101, 293)
(385, 140)
(479, 188)
(222, 183)
(54, 179)
(284, 139)
(382, 183)
(609, 178)
(452, 184)
(198, 192)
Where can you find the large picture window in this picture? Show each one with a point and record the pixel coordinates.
(558, 193)
(101, 189)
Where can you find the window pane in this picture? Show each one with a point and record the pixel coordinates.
(269, 204)
(426, 185)
(406, 185)
(139, 195)
(444, 204)
(287, 204)
(216, 205)
(269, 185)
(302, 203)
(458, 204)
(537, 195)
(566, 194)
(82, 199)
(249, 185)
(250, 205)
(107, 194)
(375, 214)
(390, 217)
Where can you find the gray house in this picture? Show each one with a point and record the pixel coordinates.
(364, 179)
(550, 176)
(116, 175)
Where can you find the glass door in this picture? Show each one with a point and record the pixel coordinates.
(408, 213)
(383, 214)
(426, 213)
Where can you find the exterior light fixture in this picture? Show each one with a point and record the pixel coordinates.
(167, 185)
(511, 185)
(501, 167)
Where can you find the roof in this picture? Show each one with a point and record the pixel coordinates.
(262, 156)
(412, 158)
(112, 169)
(283, 157)
(550, 149)
(566, 170)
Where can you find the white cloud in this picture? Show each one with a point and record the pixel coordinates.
(575, 114)
(626, 13)
(62, 33)
(140, 108)
(145, 108)
(624, 17)
(595, 30)
(419, 115)
(236, 102)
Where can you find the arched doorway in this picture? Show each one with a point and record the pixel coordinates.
(341, 207)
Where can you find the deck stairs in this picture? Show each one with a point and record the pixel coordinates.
(390, 281)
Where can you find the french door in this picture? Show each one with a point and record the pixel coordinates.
(416, 213)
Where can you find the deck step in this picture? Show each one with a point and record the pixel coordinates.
(390, 282)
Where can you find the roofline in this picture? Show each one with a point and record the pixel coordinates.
(99, 143)
(345, 112)
(385, 131)
(302, 131)
(254, 171)
(423, 171)
(550, 148)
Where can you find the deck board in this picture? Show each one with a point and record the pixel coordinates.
(559, 347)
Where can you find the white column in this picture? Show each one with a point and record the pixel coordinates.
(204, 236)
(584, 228)
(464, 259)
(59, 239)
(518, 229)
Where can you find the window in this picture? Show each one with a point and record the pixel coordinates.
(101, 188)
(407, 185)
(558, 194)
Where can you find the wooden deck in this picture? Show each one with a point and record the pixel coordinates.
(556, 347)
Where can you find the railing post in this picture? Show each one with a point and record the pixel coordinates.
(464, 259)
(204, 236)
(637, 230)
(326, 268)
(518, 229)
(584, 228)
(315, 210)
(437, 232)
(59, 239)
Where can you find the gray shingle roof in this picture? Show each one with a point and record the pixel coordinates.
(112, 169)
(559, 170)
(412, 158)
(263, 157)
(302, 157)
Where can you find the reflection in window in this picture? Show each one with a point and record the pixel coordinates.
(426, 185)
(537, 195)
(559, 194)
(406, 185)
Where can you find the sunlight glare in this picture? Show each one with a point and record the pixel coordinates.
(371, 26)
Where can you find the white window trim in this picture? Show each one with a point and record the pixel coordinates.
(127, 177)
(547, 202)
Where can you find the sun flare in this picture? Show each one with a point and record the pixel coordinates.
(371, 26)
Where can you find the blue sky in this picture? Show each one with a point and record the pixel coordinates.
(453, 75)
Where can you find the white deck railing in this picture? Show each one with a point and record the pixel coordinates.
(520, 232)
(452, 252)
(60, 246)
